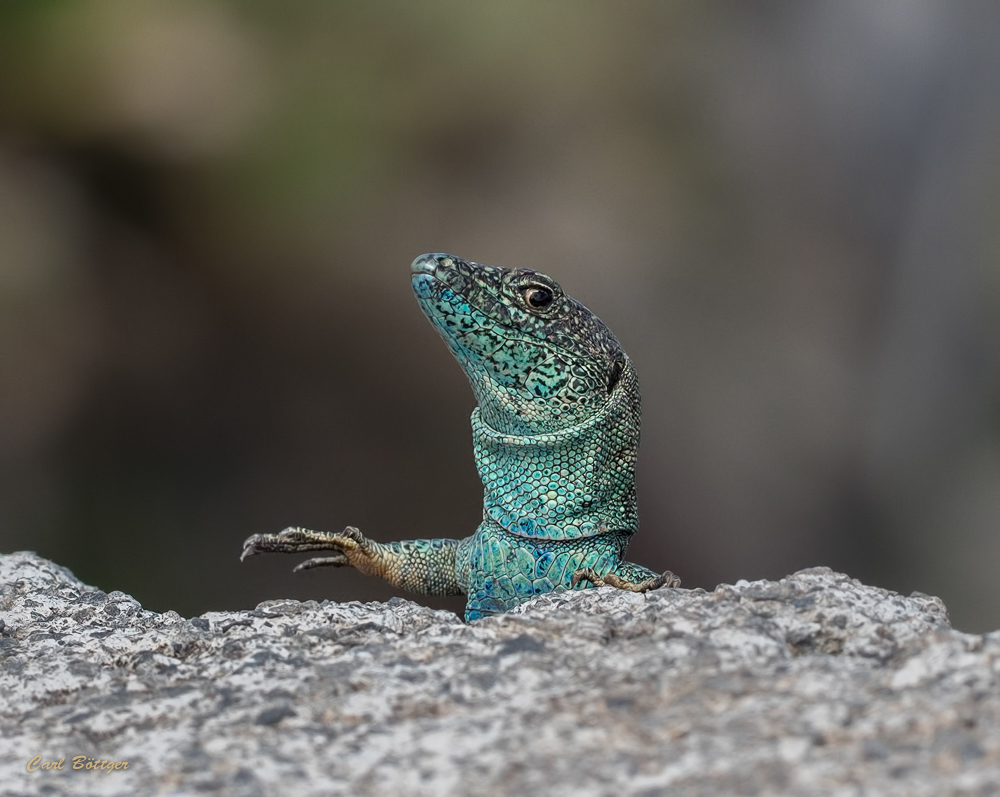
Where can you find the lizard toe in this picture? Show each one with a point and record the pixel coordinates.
(340, 560)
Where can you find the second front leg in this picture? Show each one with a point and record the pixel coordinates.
(627, 576)
(423, 566)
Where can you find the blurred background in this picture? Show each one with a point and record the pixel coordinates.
(788, 212)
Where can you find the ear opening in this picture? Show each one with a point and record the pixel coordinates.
(616, 374)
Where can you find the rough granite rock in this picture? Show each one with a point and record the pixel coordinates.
(815, 684)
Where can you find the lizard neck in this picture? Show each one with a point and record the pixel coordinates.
(567, 484)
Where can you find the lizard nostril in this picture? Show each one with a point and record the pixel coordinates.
(426, 264)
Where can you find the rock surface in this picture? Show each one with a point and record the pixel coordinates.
(815, 684)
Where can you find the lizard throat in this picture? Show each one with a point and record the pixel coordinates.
(567, 484)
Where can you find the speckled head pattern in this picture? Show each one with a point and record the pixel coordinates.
(537, 359)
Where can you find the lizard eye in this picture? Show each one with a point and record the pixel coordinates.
(538, 297)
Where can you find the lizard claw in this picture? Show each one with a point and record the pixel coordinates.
(666, 581)
(257, 543)
(251, 545)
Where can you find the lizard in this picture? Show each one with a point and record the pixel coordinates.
(555, 434)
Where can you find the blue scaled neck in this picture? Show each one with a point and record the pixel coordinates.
(564, 485)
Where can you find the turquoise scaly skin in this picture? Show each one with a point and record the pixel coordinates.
(555, 435)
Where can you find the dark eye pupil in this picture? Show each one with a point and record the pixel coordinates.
(538, 297)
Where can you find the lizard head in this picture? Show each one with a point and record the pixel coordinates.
(537, 359)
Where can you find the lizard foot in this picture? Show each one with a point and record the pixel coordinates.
(297, 540)
(424, 566)
(668, 580)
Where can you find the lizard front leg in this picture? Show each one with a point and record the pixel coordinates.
(426, 567)
(627, 576)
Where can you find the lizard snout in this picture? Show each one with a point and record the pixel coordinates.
(427, 264)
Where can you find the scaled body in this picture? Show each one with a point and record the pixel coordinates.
(555, 435)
